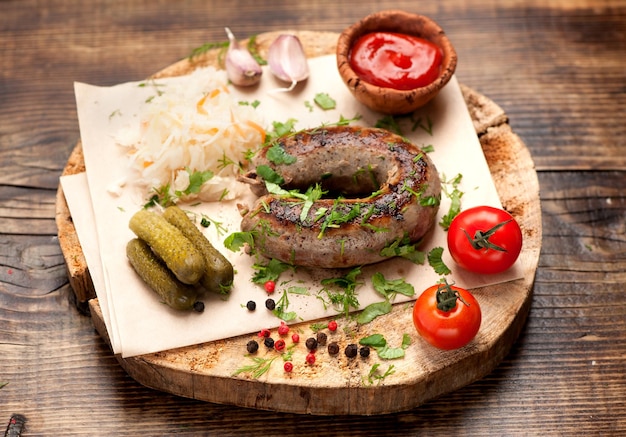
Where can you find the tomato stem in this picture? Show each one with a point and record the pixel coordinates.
(447, 297)
(481, 239)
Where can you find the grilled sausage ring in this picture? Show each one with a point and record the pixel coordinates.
(384, 190)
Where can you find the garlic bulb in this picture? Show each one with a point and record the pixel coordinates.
(241, 67)
(287, 60)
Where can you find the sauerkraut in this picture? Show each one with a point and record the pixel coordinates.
(192, 130)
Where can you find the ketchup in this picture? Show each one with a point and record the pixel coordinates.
(395, 60)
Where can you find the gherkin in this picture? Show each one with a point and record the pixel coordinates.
(219, 273)
(169, 244)
(158, 277)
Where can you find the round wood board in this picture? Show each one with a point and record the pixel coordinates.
(337, 385)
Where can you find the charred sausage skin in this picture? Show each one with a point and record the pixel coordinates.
(378, 180)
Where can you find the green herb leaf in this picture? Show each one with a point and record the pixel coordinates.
(390, 123)
(373, 374)
(455, 201)
(404, 248)
(269, 272)
(374, 340)
(346, 299)
(436, 262)
(269, 174)
(379, 343)
(236, 240)
(277, 155)
(259, 367)
(372, 311)
(388, 287)
(324, 101)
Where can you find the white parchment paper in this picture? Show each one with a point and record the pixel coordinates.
(137, 322)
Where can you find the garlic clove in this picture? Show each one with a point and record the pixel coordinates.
(287, 60)
(241, 67)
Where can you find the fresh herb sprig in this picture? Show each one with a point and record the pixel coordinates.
(345, 298)
(384, 351)
(388, 289)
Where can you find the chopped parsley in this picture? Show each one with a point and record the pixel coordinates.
(435, 260)
(324, 101)
(346, 297)
(388, 289)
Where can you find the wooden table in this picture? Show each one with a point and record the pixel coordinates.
(557, 68)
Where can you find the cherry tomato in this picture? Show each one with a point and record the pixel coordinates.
(446, 316)
(484, 239)
(395, 60)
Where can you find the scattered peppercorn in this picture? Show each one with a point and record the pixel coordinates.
(279, 345)
(252, 346)
(295, 338)
(283, 329)
(321, 338)
(351, 350)
(311, 343)
(332, 325)
(264, 333)
(333, 348)
(269, 286)
(288, 366)
(364, 351)
(270, 304)
(269, 342)
(251, 305)
(198, 307)
(310, 358)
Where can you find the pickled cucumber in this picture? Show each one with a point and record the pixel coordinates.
(169, 244)
(158, 277)
(219, 273)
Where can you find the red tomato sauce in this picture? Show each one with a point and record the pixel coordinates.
(395, 60)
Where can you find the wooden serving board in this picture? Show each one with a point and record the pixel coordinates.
(337, 385)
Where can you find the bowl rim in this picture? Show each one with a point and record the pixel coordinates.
(403, 22)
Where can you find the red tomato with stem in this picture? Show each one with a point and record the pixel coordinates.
(484, 239)
(446, 316)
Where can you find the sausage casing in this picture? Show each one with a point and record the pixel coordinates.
(377, 182)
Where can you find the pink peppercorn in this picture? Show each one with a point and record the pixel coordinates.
(264, 333)
(332, 325)
(288, 366)
(283, 329)
(279, 345)
(269, 286)
(295, 338)
(310, 358)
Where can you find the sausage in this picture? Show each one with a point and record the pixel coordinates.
(374, 181)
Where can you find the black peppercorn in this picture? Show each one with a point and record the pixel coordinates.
(351, 350)
(311, 343)
(251, 305)
(270, 304)
(269, 342)
(333, 348)
(321, 338)
(364, 351)
(198, 307)
(252, 346)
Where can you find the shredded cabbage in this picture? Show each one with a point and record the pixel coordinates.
(188, 127)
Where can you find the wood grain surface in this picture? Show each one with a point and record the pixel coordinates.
(334, 385)
(556, 67)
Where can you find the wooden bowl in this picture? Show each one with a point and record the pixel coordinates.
(389, 100)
